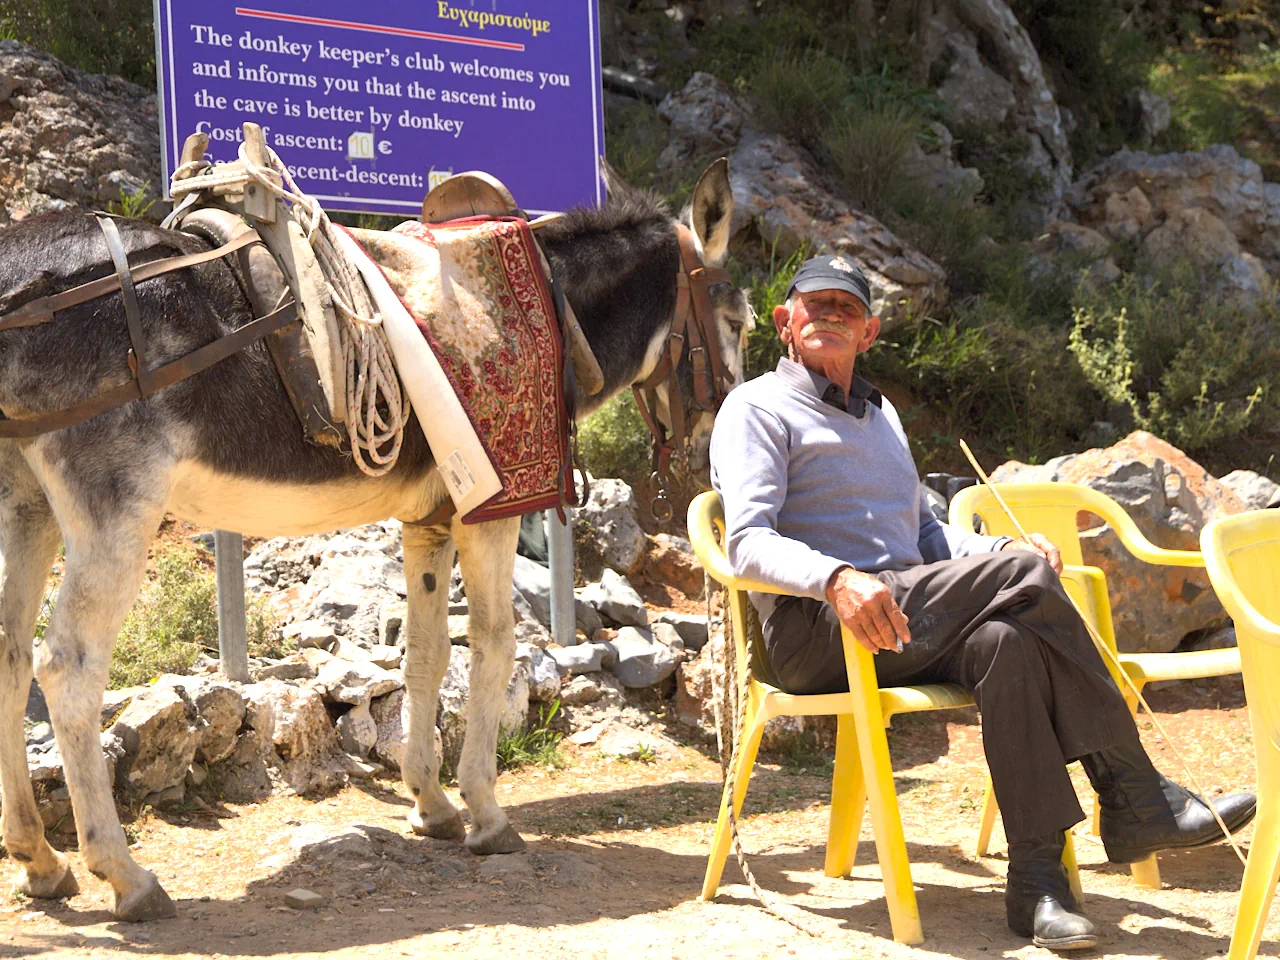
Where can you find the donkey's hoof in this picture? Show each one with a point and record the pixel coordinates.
(504, 840)
(448, 828)
(149, 902)
(55, 885)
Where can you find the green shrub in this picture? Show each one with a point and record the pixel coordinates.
(175, 617)
(1187, 365)
(538, 745)
(100, 36)
(614, 441)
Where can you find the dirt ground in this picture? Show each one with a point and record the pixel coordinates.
(615, 860)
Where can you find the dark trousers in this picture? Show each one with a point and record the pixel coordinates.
(1001, 626)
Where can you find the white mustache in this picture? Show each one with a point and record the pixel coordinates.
(814, 326)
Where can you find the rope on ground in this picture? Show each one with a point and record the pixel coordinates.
(730, 727)
(1115, 662)
(376, 408)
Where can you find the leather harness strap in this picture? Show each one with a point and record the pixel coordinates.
(42, 309)
(161, 377)
(694, 323)
(132, 313)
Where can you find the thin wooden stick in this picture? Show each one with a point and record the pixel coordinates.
(1106, 651)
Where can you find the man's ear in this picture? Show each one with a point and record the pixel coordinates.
(782, 321)
(869, 334)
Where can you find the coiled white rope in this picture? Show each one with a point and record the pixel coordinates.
(377, 409)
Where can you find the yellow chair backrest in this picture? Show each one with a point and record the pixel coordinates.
(1242, 554)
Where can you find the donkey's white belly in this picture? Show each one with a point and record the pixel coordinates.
(264, 509)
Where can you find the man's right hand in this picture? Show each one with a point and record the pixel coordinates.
(867, 608)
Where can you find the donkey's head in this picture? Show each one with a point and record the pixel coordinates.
(620, 267)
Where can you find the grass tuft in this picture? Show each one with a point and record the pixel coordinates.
(539, 745)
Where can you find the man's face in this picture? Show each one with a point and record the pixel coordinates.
(826, 327)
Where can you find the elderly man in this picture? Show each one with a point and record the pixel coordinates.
(822, 501)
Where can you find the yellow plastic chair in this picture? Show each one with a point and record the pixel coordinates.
(1051, 509)
(1242, 554)
(863, 772)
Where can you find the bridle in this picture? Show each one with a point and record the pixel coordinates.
(695, 322)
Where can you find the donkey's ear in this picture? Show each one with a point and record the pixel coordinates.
(613, 182)
(712, 215)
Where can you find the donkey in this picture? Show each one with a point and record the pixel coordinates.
(224, 449)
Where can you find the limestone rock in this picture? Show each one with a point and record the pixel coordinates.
(71, 140)
(616, 599)
(1253, 489)
(310, 633)
(159, 742)
(357, 731)
(391, 718)
(347, 682)
(672, 562)
(931, 161)
(542, 670)
(1152, 114)
(217, 708)
(294, 737)
(1126, 214)
(692, 627)
(532, 585)
(778, 188)
(695, 691)
(606, 525)
(582, 658)
(1170, 498)
(1217, 180)
(641, 661)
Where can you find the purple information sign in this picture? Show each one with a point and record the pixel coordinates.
(370, 104)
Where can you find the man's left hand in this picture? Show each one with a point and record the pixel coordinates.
(1037, 543)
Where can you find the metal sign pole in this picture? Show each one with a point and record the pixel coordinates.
(564, 626)
(233, 644)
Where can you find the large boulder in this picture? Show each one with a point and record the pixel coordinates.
(216, 710)
(290, 732)
(159, 743)
(606, 527)
(1255, 490)
(71, 140)
(778, 189)
(642, 661)
(1170, 498)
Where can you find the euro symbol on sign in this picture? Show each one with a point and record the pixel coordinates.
(360, 146)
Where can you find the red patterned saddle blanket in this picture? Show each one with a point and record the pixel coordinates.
(479, 295)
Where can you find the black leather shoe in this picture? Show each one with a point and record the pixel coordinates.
(1038, 901)
(1144, 812)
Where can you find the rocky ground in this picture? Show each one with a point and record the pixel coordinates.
(615, 861)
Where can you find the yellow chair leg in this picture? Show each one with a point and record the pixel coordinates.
(848, 800)
(1073, 868)
(877, 771)
(754, 729)
(1146, 873)
(989, 810)
(1095, 826)
(1257, 888)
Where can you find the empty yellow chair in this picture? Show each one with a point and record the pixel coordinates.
(863, 773)
(1051, 509)
(1242, 554)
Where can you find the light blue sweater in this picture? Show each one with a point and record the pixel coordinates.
(808, 487)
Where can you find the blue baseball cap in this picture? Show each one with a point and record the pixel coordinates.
(831, 273)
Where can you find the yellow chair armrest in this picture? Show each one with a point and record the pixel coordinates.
(1134, 540)
(1194, 665)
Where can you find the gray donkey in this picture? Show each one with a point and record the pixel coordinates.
(224, 449)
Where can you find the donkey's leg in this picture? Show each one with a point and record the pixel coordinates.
(28, 542)
(487, 552)
(107, 524)
(428, 561)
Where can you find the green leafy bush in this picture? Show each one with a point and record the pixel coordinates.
(539, 745)
(175, 617)
(614, 441)
(1187, 365)
(100, 36)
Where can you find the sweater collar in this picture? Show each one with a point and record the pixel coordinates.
(810, 382)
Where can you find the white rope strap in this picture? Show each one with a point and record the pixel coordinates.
(377, 410)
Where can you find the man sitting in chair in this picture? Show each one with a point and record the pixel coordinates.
(822, 500)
